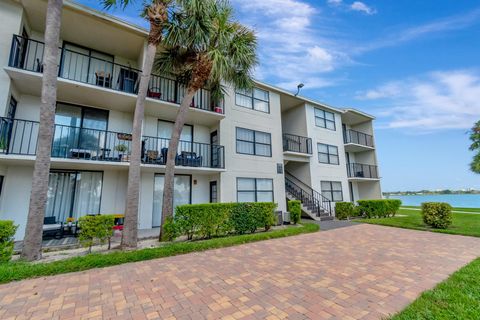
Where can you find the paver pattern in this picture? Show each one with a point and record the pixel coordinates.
(359, 272)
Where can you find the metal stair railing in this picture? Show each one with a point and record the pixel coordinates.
(307, 195)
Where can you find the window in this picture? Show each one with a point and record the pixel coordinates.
(182, 194)
(73, 194)
(324, 119)
(254, 142)
(332, 190)
(254, 190)
(256, 99)
(164, 132)
(327, 154)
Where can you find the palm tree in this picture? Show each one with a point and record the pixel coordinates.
(475, 146)
(203, 47)
(32, 243)
(156, 12)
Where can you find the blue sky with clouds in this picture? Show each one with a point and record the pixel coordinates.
(413, 64)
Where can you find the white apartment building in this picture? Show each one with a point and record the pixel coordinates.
(264, 145)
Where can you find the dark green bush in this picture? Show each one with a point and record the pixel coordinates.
(7, 231)
(219, 219)
(295, 209)
(95, 229)
(344, 210)
(437, 214)
(170, 230)
(378, 208)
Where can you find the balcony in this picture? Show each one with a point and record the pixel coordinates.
(95, 72)
(356, 141)
(296, 148)
(19, 137)
(362, 172)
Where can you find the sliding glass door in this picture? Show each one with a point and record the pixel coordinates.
(164, 131)
(182, 195)
(79, 130)
(73, 194)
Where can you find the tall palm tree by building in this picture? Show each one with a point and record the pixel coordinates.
(32, 243)
(203, 47)
(156, 12)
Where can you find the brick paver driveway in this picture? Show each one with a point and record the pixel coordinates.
(359, 272)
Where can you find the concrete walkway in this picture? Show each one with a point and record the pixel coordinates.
(361, 272)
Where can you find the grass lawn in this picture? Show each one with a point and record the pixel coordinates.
(463, 223)
(454, 209)
(458, 297)
(23, 270)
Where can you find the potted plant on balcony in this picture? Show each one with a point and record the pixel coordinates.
(3, 145)
(122, 148)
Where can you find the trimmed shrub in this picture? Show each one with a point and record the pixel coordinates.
(7, 231)
(437, 214)
(95, 229)
(218, 219)
(295, 209)
(378, 208)
(344, 210)
(170, 230)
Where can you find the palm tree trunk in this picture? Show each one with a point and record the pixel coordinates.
(32, 243)
(130, 228)
(167, 207)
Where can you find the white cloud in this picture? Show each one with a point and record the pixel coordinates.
(438, 100)
(362, 7)
(292, 48)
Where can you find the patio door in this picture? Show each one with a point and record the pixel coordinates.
(181, 195)
(73, 194)
(164, 132)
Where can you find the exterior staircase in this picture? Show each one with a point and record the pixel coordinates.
(314, 204)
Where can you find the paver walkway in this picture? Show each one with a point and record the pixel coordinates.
(359, 272)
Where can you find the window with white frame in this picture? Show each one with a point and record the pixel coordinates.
(324, 119)
(254, 190)
(332, 190)
(327, 154)
(256, 99)
(254, 142)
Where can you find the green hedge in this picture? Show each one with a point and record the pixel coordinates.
(7, 231)
(344, 210)
(437, 214)
(295, 209)
(378, 208)
(95, 229)
(218, 219)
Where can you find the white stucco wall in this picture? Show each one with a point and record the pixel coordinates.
(250, 166)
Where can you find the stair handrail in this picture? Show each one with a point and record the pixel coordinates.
(318, 200)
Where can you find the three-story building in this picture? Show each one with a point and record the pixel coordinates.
(259, 145)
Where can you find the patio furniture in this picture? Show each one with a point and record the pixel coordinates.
(80, 153)
(154, 93)
(52, 228)
(71, 229)
(188, 159)
(119, 221)
(103, 79)
(152, 157)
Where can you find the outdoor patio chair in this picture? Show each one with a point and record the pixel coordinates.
(188, 159)
(52, 228)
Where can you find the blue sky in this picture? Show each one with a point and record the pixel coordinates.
(413, 64)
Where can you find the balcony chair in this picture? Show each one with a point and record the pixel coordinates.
(103, 79)
(151, 156)
(154, 93)
(51, 228)
(188, 159)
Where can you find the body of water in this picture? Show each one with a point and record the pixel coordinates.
(455, 200)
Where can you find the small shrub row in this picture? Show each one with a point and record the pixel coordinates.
(437, 214)
(7, 231)
(367, 208)
(344, 210)
(209, 220)
(378, 208)
(95, 229)
(295, 209)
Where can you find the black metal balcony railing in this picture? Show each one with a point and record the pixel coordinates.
(190, 154)
(296, 143)
(358, 170)
(352, 136)
(19, 137)
(27, 54)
